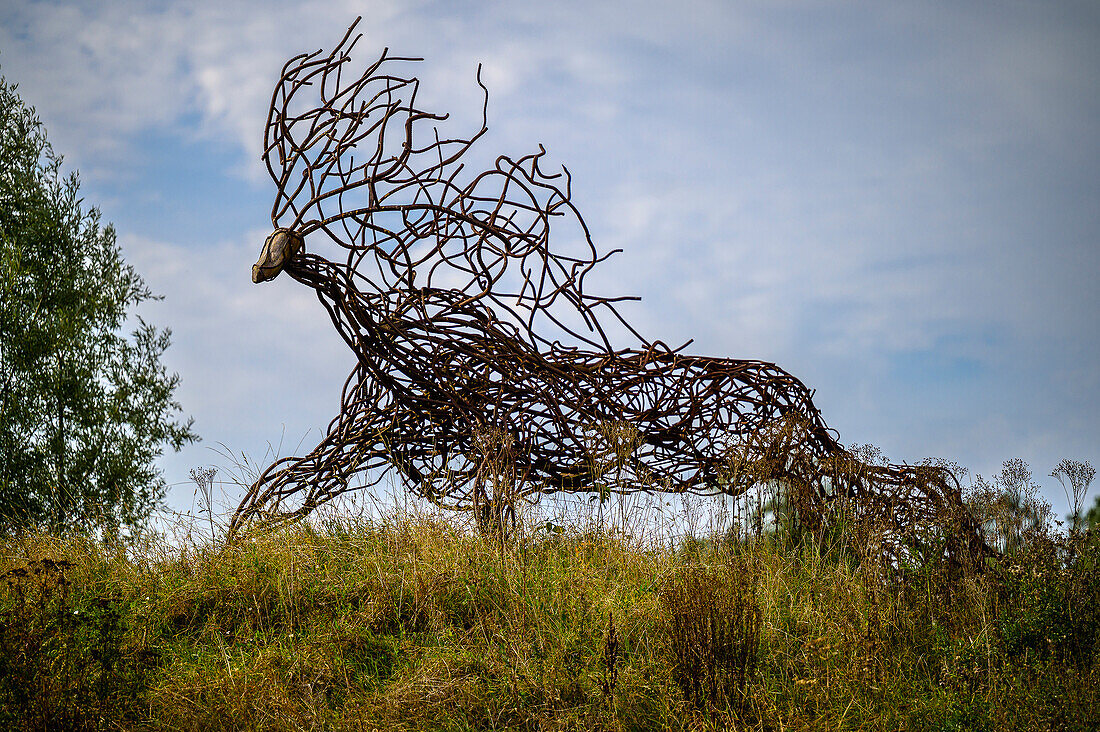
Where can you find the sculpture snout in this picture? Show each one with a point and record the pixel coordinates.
(282, 245)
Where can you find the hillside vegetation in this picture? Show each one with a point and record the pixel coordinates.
(412, 622)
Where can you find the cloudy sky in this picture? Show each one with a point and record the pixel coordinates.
(897, 202)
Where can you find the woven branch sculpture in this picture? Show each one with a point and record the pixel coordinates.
(484, 371)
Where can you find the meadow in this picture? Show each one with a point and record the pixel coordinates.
(407, 619)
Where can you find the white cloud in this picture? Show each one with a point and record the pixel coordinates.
(103, 73)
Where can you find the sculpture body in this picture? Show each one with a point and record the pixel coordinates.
(484, 374)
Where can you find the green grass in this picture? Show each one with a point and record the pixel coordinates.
(413, 623)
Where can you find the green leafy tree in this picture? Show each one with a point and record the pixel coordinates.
(84, 409)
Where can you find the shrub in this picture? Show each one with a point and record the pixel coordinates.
(1049, 598)
(64, 662)
(712, 621)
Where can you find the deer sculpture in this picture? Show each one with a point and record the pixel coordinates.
(484, 371)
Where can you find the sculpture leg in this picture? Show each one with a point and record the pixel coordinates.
(352, 445)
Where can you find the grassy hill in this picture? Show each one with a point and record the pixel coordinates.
(414, 623)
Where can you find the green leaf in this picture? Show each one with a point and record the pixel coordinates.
(85, 409)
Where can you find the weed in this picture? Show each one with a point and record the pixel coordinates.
(419, 621)
(713, 624)
(65, 659)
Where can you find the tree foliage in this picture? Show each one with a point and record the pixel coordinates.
(85, 409)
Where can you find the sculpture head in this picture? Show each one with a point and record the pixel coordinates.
(282, 245)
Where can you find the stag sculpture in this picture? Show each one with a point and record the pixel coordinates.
(485, 372)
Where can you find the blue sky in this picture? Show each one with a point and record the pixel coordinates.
(897, 202)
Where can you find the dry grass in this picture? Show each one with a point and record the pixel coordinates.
(413, 622)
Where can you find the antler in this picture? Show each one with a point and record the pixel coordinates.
(347, 157)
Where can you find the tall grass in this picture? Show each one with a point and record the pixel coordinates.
(406, 620)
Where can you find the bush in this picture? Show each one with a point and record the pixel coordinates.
(1049, 597)
(712, 620)
(64, 663)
